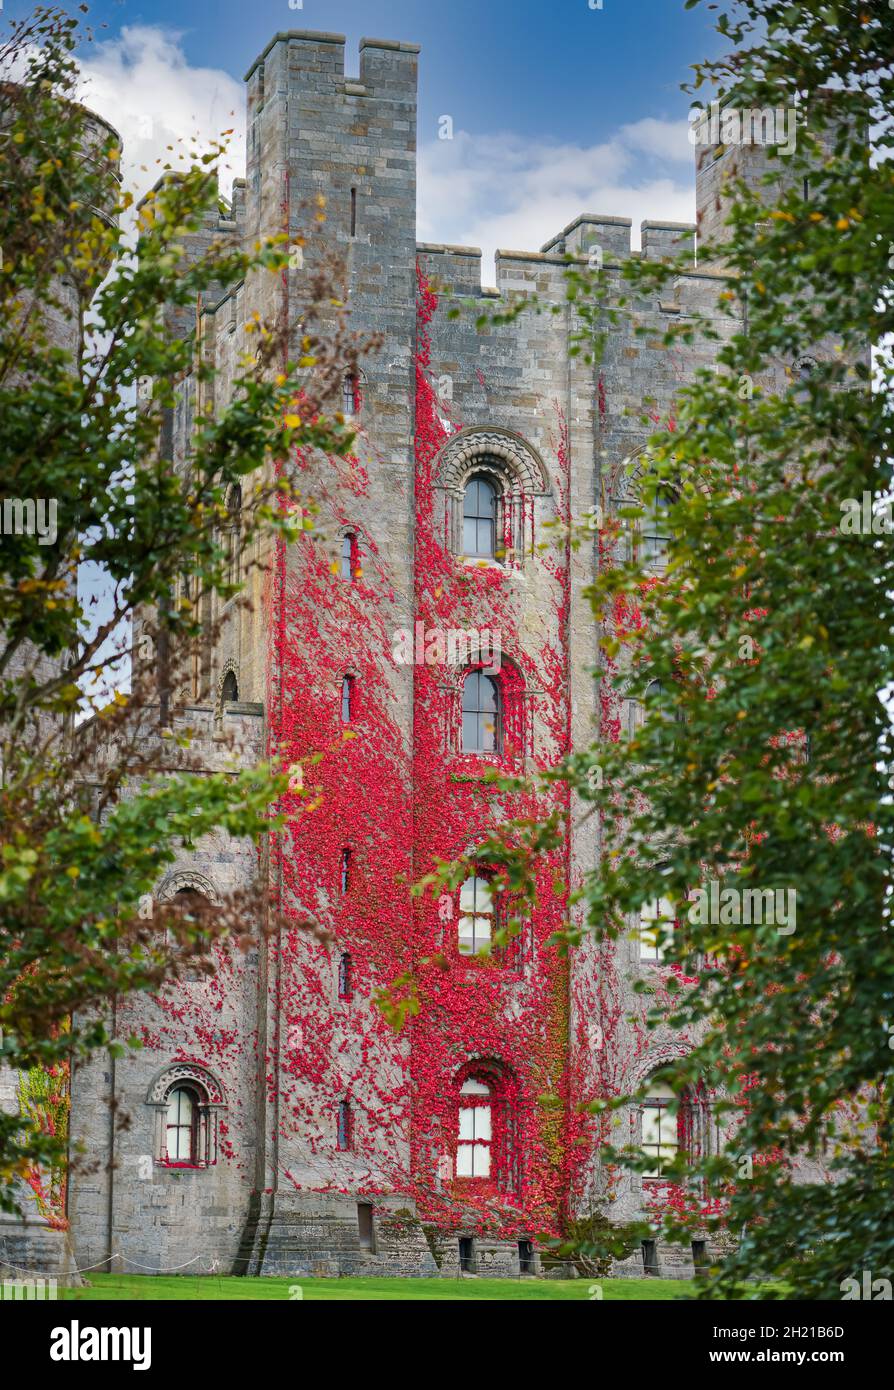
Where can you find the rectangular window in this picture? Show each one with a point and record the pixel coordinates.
(473, 1150)
(650, 1258)
(347, 699)
(365, 1226)
(526, 1257)
(353, 212)
(467, 1254)
(700, 1257)
(348, 562)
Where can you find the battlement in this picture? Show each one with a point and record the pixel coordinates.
(385, 64)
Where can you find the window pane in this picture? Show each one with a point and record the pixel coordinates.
(483, 896)
(467, 1122)
(472, 733)
(487, 693)
(651, 1125)
(481, 1160)
(482, 1121)
(466, 936)
(471, 694)
(470, 536)
(474, 1087)
(464, 1161)
(482, 933)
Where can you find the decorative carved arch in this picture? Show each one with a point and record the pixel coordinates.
(510, 455)
(185, 1073)
(518, 473)
(229, 666)
(174, 883)
(211, 1100)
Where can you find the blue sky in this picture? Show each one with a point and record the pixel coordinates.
(537, 67)
(557, 108)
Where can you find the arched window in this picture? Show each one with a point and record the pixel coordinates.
(351, 394)
(348, 560)
(345, 982)
(186, 1100)
(347, 699)
(180, 1125)
(475, 1138)
(654, 707)
(656, 531)
(479, 517)
(660, 1134)
(656, 917)
(482, 714)
(343, 1134)
(229, 691)
(476, 906)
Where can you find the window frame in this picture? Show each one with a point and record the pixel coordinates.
(490, 522)
(660, 1105)
(480, 715)
(344, 1127)
(180, 1089)
(472, 1102)
(347, 700)
(483, 883)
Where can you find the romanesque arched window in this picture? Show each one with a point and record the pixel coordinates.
(229, 690)
(487, 1121)
(487, 482)
(186, 1100)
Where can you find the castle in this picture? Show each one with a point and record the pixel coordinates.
(436, 628)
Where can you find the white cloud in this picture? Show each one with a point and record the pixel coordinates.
(142, 83)
(505, 191)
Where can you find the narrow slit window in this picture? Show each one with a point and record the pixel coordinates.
(348, 567)
(353, 212)
(343, 1137)
(347, 699)
(345, 871)
(345, 983)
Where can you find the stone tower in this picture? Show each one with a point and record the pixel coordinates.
(319, 1140)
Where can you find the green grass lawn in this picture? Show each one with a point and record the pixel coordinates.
(131, 1287)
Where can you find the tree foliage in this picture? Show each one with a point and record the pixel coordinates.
(99, 788)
